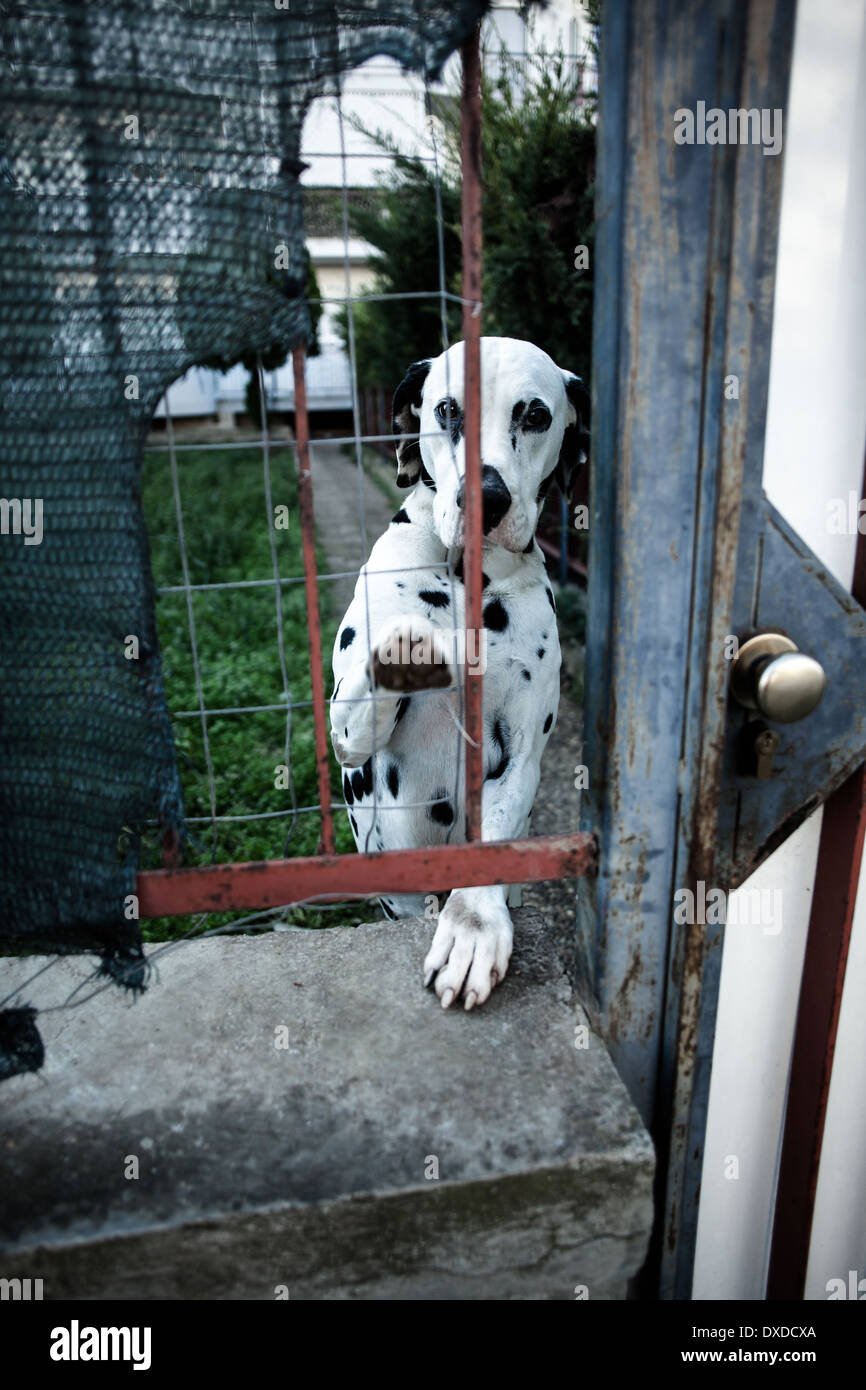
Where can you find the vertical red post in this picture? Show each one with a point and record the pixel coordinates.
(308, 539)
(471, 232)
(840, 853)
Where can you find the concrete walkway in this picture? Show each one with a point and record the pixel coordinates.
(339, 494)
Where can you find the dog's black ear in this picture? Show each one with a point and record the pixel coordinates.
(405, 410)
(575, 441)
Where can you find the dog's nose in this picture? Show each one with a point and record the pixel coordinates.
(495, 498)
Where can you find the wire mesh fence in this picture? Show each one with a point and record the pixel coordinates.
(149, 272)
(317, 812)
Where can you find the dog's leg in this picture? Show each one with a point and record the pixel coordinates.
(472, 944)
(409, 654)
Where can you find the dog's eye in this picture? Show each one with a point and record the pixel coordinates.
(538, 416)
(445, 408)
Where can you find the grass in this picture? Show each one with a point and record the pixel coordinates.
(226, 532)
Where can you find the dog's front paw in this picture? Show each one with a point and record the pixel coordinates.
(470, 950)
(411, 654)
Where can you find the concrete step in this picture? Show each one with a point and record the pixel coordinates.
(306, 1121)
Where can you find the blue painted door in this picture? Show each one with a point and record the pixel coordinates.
(686, 554)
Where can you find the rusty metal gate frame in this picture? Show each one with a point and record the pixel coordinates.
(685, 550)
(685, 268)
(173, 891)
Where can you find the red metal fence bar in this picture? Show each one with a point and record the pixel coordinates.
(271, 883)
(840, 853)
(835, 893)
(308, 537)
(471, 233)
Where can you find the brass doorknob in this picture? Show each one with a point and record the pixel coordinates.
(770, 674)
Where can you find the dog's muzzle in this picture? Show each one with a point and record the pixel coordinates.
(495, 498)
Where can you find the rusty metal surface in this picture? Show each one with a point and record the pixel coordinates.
(738, 330)
(271, 883)
(685, 259)
(471, 235)
(311, 589)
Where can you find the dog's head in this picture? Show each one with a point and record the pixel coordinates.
(534, 430)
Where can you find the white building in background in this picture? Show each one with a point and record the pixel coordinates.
(377, 97)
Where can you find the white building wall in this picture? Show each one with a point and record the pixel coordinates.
(814, 451)
(193, 394)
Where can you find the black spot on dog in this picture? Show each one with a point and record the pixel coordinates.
(547, 723)
(400, 518)
(540, 653)
(458, 574)
(336, 688)
(526, 675)
(408, 395)
(346, 732)
(393, 779)
(362, 780)
(517, 412)
(495, 616)
(354, 822)
(402, 706)
(434, 598)
(347, 637)
(347, 789)
(549, 593)
(387, 909)
(442, 811)
(500, 738)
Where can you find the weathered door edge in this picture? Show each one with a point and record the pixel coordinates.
(684, 280)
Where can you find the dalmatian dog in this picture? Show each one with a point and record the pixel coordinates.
(395, 710)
